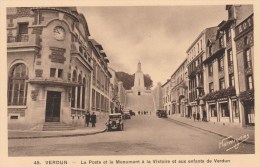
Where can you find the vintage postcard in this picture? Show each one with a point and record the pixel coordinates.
(127, 83)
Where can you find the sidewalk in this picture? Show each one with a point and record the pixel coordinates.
(225, 131)
(81, 131)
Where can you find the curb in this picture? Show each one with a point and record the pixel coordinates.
(246, 142)
(63, 135)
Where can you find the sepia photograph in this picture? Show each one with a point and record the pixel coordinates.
(132, 81)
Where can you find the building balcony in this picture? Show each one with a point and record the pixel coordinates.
(18, 38)
(23, 41)
(197, 69)
(219, 94)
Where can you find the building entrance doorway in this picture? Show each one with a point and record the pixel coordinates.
(53, 106)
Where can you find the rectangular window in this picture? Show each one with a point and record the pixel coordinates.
(78, 96)
(80, 49)
(247, 58)
(93, 99)
(246, 41)
(231, 80)
(23, 28)
(83, 96)
(235, 109)
(228, 34)
(221, 42)
(213, 110)
(250, 84)
(210, 69)
(97, 101)
(22, 35)
(73, 98)
(230, 57)
(210, 50)
(201, 44)
(14, 117)
(60, 72)
(221, 64)
(221, 83)
(224, 109)
(52, 72)
(211, 87)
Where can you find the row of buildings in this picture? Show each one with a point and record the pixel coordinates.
(216, 78)
(56, 73)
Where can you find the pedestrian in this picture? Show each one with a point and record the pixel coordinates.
(87, 118)
(198, 116)
(93, 119)
(194, 116)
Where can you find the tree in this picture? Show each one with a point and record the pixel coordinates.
(128, 80)
(148, 82)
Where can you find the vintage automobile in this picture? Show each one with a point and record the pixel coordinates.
(126, 114)
(115, 122)
(161, 113)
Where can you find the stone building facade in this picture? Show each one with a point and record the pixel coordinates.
(114, 103)
(244, 43)
(179, 91)
(228, 70)
(100, 79)
(50, 63)
(166, 96)
(196, 54)
(157, 96)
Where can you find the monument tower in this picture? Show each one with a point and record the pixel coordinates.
(139, 87)
(139, 98)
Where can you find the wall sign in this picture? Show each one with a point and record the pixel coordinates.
(248, 23)
(57, 55)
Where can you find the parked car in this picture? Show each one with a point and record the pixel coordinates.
(115, 122)
(161, 113)
(126, 114)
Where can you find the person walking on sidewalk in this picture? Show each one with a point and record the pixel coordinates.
(194, 116)
(198, 116)
(87, 118)
(93, 119)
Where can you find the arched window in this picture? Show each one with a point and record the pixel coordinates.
(79, 91)
(83, 93)
(17, 85)
(73, 98)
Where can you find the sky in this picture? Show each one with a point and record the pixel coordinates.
(157, 36)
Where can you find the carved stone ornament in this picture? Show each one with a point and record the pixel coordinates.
(34, 94)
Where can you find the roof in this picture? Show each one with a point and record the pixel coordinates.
(208, 30)
(70, 10)
(179, 67)
(168, 80)
(96, 44)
